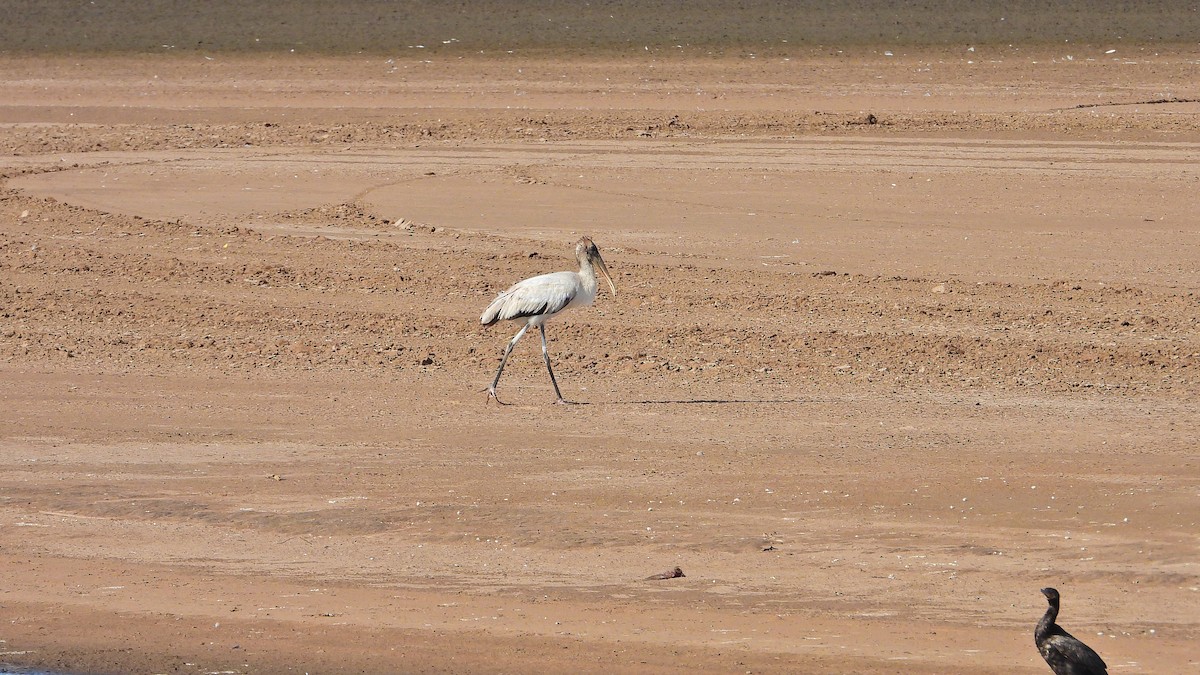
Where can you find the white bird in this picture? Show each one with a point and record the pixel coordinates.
(539, 298)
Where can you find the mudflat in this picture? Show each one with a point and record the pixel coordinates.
(902, 336)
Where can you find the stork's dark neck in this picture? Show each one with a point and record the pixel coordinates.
(1046, 627)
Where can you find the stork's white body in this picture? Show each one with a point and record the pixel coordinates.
(537, 299)
(540, 298)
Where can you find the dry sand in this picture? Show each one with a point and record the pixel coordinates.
(870, 386)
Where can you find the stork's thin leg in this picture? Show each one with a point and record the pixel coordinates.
(507, 350)
(546, 356)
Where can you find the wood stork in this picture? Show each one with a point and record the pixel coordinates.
(1063, 652)
(539, 298)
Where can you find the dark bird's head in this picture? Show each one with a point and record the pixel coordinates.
(588, 254)
(1051, 595)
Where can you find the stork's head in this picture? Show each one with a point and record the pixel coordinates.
(588, 254)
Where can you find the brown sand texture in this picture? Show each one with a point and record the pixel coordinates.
(906, 329)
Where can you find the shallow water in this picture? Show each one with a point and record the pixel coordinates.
(497, 26)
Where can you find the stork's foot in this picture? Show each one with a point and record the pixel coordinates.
(563, 401)
(491, 394)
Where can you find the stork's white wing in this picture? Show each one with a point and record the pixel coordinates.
(536, 296)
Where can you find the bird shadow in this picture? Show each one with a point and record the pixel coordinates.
(701, 401)
(675, 401)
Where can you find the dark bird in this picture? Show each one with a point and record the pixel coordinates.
(669, 574)
(539, 298)
(1065, 654)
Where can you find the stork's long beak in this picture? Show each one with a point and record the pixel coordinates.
(604, 270)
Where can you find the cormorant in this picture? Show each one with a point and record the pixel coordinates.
(1065, 654)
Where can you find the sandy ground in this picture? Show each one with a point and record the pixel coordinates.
(870, 385)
